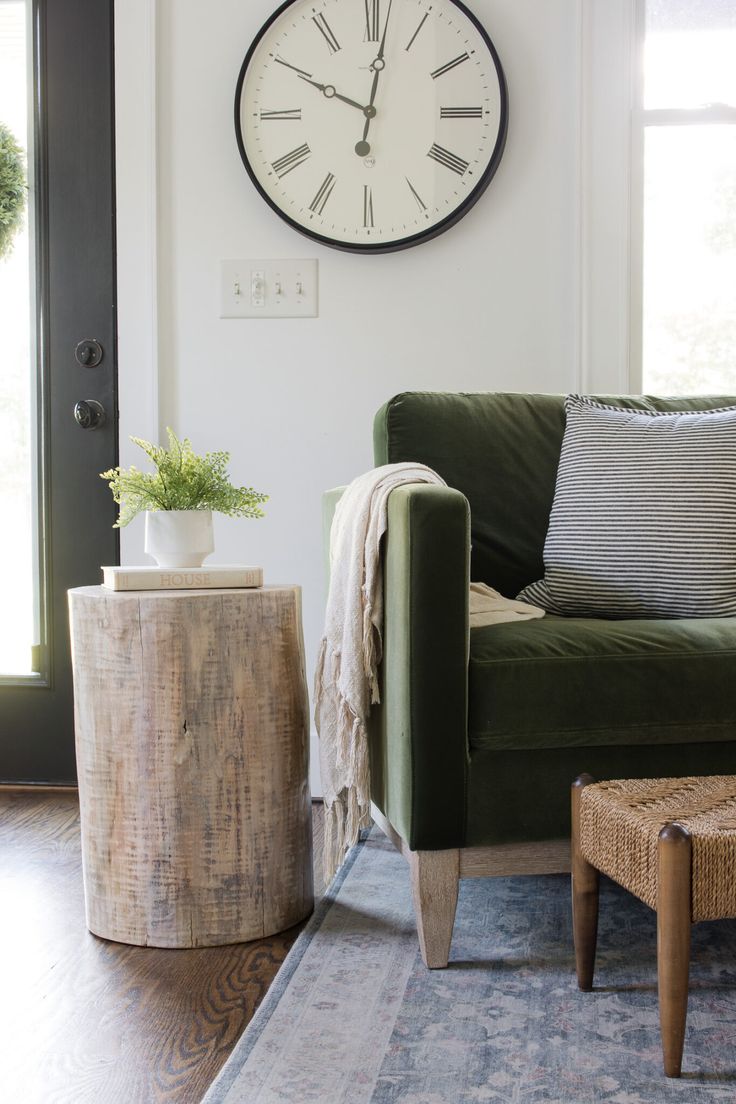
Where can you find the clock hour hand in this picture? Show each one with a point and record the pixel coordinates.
(330, 93)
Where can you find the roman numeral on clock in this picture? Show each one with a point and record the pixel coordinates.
(293, 114)
(320, 200)
(450, 65)
(372, 20)
(461, 113)
(290, 161)
(326, 31)
(449, 160)
(367, 207)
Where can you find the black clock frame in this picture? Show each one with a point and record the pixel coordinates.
(414, 239)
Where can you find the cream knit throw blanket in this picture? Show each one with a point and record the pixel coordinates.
(346, 679)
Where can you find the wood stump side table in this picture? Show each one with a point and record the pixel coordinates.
(191, 716)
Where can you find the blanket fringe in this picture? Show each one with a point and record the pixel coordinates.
(344, 819)
(350, 731)
(347, 811)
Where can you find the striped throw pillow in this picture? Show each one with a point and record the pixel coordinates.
(643, 522)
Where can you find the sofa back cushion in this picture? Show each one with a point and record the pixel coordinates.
(502, 452)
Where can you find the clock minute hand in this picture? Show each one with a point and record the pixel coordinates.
(329, 92)
(377, 70)
(382, 47)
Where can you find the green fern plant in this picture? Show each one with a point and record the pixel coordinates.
(12, 189)
(182, 481)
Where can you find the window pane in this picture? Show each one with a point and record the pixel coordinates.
(18, 602)
(690, 53)
(689, 305)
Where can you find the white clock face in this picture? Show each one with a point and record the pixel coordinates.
(371, 124)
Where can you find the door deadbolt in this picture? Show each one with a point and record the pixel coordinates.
(89, 414)
(89, 353)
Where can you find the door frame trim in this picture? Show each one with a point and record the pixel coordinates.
(136, 142)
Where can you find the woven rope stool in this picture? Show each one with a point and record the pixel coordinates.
(672, 843)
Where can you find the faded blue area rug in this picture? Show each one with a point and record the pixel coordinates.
(354, 1017)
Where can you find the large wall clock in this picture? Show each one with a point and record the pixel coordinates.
(371, 125)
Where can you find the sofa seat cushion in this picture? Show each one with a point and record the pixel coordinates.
(567, 681)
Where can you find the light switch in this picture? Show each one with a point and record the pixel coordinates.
(257, 288)
(268, 289)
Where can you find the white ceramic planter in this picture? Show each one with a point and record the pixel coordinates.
(179, 538)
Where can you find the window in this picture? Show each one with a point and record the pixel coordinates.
(688, 212)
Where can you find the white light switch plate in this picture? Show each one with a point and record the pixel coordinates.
(268, 289)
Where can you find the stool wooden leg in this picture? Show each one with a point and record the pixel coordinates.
(674, 920)
(584, 896)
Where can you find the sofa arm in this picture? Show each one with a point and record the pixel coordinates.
(419, 749)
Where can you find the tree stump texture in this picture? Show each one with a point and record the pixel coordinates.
(191, 714)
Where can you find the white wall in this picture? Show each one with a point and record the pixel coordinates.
(494, 304)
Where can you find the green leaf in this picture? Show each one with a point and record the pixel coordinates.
(12, 189)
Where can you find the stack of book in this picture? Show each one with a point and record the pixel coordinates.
(182, 578)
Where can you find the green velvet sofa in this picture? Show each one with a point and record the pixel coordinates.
(480, 733)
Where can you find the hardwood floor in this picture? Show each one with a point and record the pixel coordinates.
(85, 1021)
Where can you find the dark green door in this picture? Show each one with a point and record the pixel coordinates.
(57, 350)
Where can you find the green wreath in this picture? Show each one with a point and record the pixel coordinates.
(12, 189)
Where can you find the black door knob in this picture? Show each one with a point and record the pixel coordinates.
(89, 414)
(89, 353)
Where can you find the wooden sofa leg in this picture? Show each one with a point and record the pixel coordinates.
(435, 878)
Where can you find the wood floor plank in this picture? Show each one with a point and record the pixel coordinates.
(86, 1021)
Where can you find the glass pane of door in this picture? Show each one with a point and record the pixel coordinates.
(19, 575)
